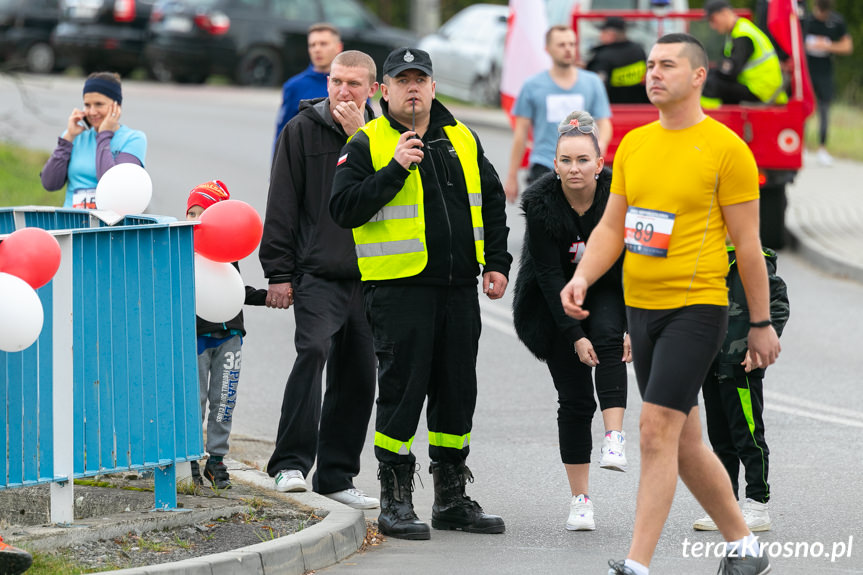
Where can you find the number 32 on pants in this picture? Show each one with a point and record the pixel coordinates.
(648, 232)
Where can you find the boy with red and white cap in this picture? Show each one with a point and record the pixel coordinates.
(219, 355)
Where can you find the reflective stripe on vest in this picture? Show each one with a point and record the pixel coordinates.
(439, 439)
(762, 73)
(629, 75)
(392, 244)
(394, 445)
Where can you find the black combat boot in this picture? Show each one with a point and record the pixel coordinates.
(455, 510)
(397, 518)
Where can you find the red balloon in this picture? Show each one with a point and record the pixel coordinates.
(31, 254)
(229, 231)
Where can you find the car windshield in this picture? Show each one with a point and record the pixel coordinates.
(346, 14)
(471, 24)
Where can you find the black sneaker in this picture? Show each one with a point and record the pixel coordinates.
(13, 560)
(744, 566)
(217, 474)
(197, 480)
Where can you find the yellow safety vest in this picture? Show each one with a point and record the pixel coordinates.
(392, 244)
(762, 73)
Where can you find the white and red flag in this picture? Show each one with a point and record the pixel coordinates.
(525, 53)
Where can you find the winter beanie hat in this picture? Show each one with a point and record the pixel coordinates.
(205, 195)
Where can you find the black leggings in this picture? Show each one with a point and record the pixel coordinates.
(572, 379)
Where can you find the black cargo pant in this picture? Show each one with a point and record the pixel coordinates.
(331, 330)
(736, 430)
(728, 90)
(426, 340)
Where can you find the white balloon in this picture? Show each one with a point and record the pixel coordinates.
(21, 314)
(125, 189)
(219, 290)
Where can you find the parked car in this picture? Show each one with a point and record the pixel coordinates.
(25, 34)
(467, 53)
(256, 42)
(104, 35)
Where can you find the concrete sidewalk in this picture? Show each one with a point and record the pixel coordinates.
(825, 216)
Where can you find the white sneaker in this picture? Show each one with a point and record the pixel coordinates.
(291, 480)
(580, 514)
(613, 453)
(355, 498)
(756, 515)
(705, 524)
(824, 157)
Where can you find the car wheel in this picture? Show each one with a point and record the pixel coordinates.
(158, 71)
(259, 67)
(40, 58)
(486, 89)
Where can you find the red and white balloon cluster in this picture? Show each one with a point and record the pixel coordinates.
(228, 231)
(29, 258)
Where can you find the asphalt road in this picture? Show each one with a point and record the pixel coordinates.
(814, 413)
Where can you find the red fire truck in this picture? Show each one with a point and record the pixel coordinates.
(774, 133)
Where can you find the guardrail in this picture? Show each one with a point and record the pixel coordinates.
(111, 384)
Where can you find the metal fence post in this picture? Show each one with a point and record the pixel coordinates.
(62, 489)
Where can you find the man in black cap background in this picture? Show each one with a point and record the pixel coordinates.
(427, 211)
(620, 63)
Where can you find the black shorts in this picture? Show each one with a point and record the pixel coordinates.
(672, 350)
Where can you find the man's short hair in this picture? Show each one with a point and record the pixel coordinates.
(693, 50)
(556, 28)
(824, 5)
(714, 6)
(357, 59)
(324, 27)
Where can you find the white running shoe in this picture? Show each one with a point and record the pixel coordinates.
(756, 515)
(355, 498)
(705, 524)
(824, 157)
(613, 453)
(580, 514)
(291, 480)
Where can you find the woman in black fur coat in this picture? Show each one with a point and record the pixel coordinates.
(561, 210)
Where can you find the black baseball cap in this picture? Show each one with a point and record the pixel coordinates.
(714, 6)
(402, 59)
(613, 23)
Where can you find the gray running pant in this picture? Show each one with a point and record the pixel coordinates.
(218, 376)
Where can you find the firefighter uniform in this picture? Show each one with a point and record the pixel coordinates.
(750, 69)
(422, 237)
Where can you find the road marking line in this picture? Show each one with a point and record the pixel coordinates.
(811, 415)
(800, 402)
(497, 310)
(774, 400)
(500, 326)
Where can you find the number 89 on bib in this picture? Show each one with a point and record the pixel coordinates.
(648, 232)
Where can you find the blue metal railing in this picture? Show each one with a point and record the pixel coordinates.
(129, 342)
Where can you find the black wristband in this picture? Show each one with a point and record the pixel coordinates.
(765, 323)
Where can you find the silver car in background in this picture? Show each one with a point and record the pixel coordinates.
(467, 53)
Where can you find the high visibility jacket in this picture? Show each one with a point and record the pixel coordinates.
(392, 244)
(762, 73)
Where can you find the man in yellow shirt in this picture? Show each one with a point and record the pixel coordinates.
(673, 223)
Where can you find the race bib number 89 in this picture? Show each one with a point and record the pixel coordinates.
(648, 232)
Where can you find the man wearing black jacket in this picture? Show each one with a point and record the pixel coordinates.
(310, 263)
(427, 210)
(620, 62)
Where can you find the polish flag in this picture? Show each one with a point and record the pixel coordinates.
(524, 54)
